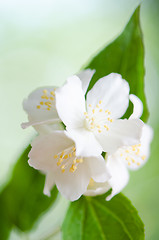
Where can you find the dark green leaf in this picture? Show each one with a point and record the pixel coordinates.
(95, 218)
(23, 198)
(125, 56)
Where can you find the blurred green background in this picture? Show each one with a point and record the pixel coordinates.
(41, 43)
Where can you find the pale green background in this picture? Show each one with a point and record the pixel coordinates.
(44, 41)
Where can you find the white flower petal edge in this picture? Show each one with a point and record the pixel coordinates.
(49, 183)
(55, 154)
(83, 122)
(137, 107)
(85, 77)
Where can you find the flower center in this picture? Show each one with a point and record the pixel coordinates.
(47, 100)
(132, 155)
(97, 119)
(68, 159)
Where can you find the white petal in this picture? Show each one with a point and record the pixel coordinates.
(138, 107)
(70, 103)
(49, 183)
(119, 173)
(85, 77)
(121, 133)
(97, 188)
(97, 169)
(73, 185)
(45, 147)
(85, 141)
(144, 151)
(113, 91)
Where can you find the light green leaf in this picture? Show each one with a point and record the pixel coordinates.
(22, 200)
(95, 218)
(125, 56)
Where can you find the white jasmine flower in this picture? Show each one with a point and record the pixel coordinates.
(124, 159)
(94, 124)
(55, 155)
(41, 108)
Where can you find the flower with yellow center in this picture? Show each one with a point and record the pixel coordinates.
(55, 154)
(124, 159)
(94, 124)
(41, 105)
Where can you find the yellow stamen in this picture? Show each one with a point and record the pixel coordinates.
(44, 91)
(65, 157)
(38, 107)
(52, 93)
(143, 157)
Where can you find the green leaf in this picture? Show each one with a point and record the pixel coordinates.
(95, 218)
(22, 201)
(125, 56)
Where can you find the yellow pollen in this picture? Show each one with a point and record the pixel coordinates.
(47, 103)
(100, 102)
(98, 126)
(138, 164)
(48, 109)
(51, 98)
(85, 113)
(87, 117)
(62, 170)
(41, 103)
(97, 106)
(52, 93)
(109, 112)
(134, 149)
(70, 155)
(133, 160)
(127, 151)
(55, 156)
(139, 144)
(44, 91)
(127, 158)
(79, 160)
(129, 163)
(93, 119)
(90, 105)
(74, 161)
(73, 168)
(93, 111)
(99, 131)
(121, 154)
(58, 163)
(111, 120)
(101, 110)
(63, 166)
(38, 107)
(143, 157)
(74, 154)
(106, 111)
(65, 157)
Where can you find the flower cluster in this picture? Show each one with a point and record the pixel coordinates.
(75, 128)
